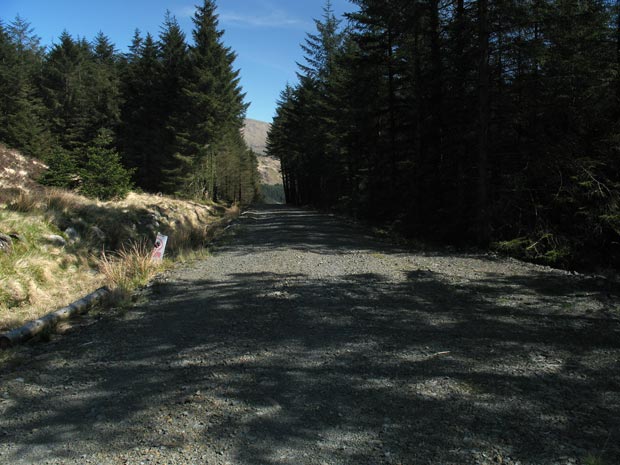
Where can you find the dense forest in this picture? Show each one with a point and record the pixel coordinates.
(467, 122)
(165, 116)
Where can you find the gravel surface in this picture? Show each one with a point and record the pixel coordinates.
(304, 340)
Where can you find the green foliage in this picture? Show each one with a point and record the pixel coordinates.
(62, 170)
(594, 460)
(104, 88)
(272, 193)
(26, 128)
(304, 134)
(22, 113)
(545, 248)
(103, 176)
(142, 128)
(66, 74)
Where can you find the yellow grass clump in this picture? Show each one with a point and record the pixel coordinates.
(130, 268)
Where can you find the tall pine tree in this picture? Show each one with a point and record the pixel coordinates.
(141, 132)
(24, 123)
(213, 107)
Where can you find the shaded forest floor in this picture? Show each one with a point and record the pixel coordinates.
(304, 340)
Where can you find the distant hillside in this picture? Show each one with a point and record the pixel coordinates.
(255, 135)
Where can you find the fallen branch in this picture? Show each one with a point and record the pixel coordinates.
(35, 327)
(438, 354)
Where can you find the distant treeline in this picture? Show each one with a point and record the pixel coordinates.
(166, 115)
(272, 193)
(464, 121)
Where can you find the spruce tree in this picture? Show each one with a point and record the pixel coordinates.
(66, 77)
(62, 170)
(280, 143)
(105, 91)
(322, 47)
(141, 132)
(8, 62)
(213, 105)
(322, 50)
(173, 55)
(24, 126)
(493, 120)
(103, 175)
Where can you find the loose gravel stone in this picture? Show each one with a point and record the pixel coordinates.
(305, 340)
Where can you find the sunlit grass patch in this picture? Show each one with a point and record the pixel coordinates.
(32, 282)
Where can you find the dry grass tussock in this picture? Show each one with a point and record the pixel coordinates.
(130, 268)
(105, 243)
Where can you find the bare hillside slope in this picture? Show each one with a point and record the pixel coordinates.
(255, 135)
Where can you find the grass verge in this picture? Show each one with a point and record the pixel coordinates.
(64, 246)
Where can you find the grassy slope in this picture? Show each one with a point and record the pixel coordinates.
(113, 246)
(37, 275)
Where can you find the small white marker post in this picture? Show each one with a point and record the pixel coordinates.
(160, 248)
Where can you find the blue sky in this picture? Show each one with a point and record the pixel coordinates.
(265, 33)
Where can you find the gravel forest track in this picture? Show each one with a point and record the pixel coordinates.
(305, 340)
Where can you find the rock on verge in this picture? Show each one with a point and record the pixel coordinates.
(6, 243)
(72, 234)
(55, 240)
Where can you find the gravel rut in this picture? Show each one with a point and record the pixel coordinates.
(304, 340)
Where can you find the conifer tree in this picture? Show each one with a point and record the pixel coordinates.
(279, 144)
(105, 91)
(24, 126)
(141, 135)
(173, 53)
(322, 47)
(66, 75)
(62, 170)
(213, 105)
(103, 175)
(8, 62)
(310, 174)
(174, 112)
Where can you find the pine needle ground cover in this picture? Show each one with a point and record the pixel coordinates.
(63, 246)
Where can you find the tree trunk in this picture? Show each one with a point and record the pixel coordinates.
(484, 117)
(436, 91)
(391, 102)
(618, 48)
(35, 327)
(433, 182)
(419, 152)
(460, 149)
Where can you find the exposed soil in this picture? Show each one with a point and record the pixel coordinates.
(304, 340)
